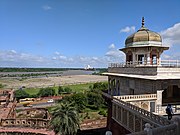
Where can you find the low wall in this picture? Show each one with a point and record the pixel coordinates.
(32, 123)
(24, 131)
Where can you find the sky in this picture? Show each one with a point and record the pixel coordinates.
(76, 33)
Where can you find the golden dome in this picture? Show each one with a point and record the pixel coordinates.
(143, 37)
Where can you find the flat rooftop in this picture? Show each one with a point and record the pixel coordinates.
(149, 77)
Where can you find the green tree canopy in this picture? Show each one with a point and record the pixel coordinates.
(65, 119)
(79, 100)
(95, 99)
(19, 94)
(67, 90)
(99, 86)
(1, 86)
(45, 92)
(60, 90)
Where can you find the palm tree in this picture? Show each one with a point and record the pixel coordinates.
(65, 119)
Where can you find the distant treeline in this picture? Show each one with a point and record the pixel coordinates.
(100, 71)
(44, 69)
(35, 69)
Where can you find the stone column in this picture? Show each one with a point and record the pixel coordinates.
(134, 57)
(170, 91)
(148, 59)
(159, 99)
(109, 85)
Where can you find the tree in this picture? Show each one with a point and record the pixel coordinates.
(78, 100)
(67, 90)
(45, 92)
(65, 119)
(60, 90)
(95, 99)
(1, 86)
(21, 94)
(99, 86)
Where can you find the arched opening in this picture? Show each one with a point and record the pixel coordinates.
(118, 88)
(171, 95)
(129, 56)
(141, 59)
(154, 57)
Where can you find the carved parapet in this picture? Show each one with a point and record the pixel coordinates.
(32, 123)
(143, 97)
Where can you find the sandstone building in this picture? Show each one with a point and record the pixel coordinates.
(141, 87)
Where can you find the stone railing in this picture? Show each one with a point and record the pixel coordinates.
(162, 63)
(158, 120)
(137, 97)
(134, 119)
(164, 130)
(32, 123)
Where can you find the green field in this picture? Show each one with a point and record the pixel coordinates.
(75, 88)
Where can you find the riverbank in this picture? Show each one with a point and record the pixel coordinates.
(16, 83)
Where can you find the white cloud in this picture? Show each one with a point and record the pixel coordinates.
(63, 57)
(57, 53)
(54, 58)
(47, 7)
(17, 59)
(171, 35)
(112, 46)
(114, 55)
(128, 29)
(12, 58)
(13, 51)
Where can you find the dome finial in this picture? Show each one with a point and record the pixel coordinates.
(142, 22)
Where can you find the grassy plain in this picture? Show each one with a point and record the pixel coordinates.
(75, 88)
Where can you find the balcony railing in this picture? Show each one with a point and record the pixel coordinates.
(161, 63)
(143, 97)
(134, 119)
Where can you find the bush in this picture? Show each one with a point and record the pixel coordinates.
(103, 112)
(45, 92)
(95, 99)
(98, 86)
(1, 86)
(67, 90)
(21, 94)
(60, 90)
(79, 100)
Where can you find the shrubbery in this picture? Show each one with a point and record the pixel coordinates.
(45, 92)
(65, 90)
(19, 94)
(92, 99)
(103, 112)
(1, 86)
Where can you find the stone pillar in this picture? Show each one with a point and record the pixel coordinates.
(134, 57)
(159, 99)
(148, 59)
(116, 87)
(109, 85)
(170, 91)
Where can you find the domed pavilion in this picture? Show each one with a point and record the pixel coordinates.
(143, 47)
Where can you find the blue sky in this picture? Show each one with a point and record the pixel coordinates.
(74, 33)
